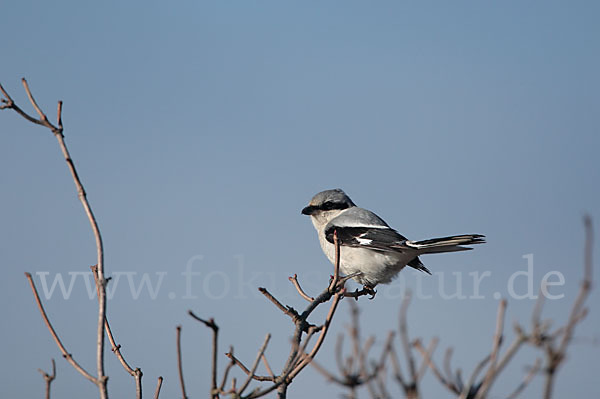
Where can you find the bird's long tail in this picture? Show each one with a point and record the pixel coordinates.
(447, 244)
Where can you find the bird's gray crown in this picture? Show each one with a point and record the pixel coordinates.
(328, 200)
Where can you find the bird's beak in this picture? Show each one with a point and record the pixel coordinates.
(309, 210)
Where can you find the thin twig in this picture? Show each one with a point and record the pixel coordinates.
(288, 310)
(59, 343)
(315, 349)
(179, 363)
(389, 348)
(447, 363)
(302, 349)
(294, 280)
(210, 323)
(423, 368)
(496, 343)
(403, 329)
(526, 380)
(158, 386)
(48, 378)
(469, 386)
(255, 364)
(267, 366)
(245, 369)
(135, 373)
(226, 372)
(436, 371)
(556, 356)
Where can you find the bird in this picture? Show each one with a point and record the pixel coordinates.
(369, 247)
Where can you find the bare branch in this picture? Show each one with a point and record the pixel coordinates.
(210, 323)
(101, 378)
(294, 280)
(315, 349)
(496, 343)
(33, 102)
(59, 343)
(135, 373)
(288, 310)
(436, 371)
(226, 372)
(255, 364)
(245, 369)
(48, 378)
(179, 363)
(556, 356)
(158, 386)
(528, 377)
(423, 368)
(403, 329)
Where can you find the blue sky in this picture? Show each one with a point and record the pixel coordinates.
(201, 129)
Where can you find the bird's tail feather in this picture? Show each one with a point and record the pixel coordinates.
(447, 244)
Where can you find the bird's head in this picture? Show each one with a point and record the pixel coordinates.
(326, 205)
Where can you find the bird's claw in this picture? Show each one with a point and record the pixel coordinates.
(370, 291)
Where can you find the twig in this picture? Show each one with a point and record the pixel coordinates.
(329, 376)
(285, 309)
(294, 280)
(179, 363)
(48, 378)
(135, 373)
(447, 364)
(210, 323)
(423, 368)
(255, 364)
(302, 349)
(496, 343)
(468, 388)
(245, 369)
(436, 371)
(158, 386)
(339, 344)
(59, 343)
(315, 349)
(266, 363)
(389, 348)
(404, 337)
(556, 356)
(227, 369)
(528, 377)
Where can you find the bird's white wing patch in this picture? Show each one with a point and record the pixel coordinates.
(363, 241)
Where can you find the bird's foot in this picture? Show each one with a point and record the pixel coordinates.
(370, 290)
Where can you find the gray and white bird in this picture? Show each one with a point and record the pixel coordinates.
(367, 244)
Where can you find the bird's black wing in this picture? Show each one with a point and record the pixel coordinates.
(379, 239)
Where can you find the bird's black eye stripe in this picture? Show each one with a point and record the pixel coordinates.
(328, 206)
